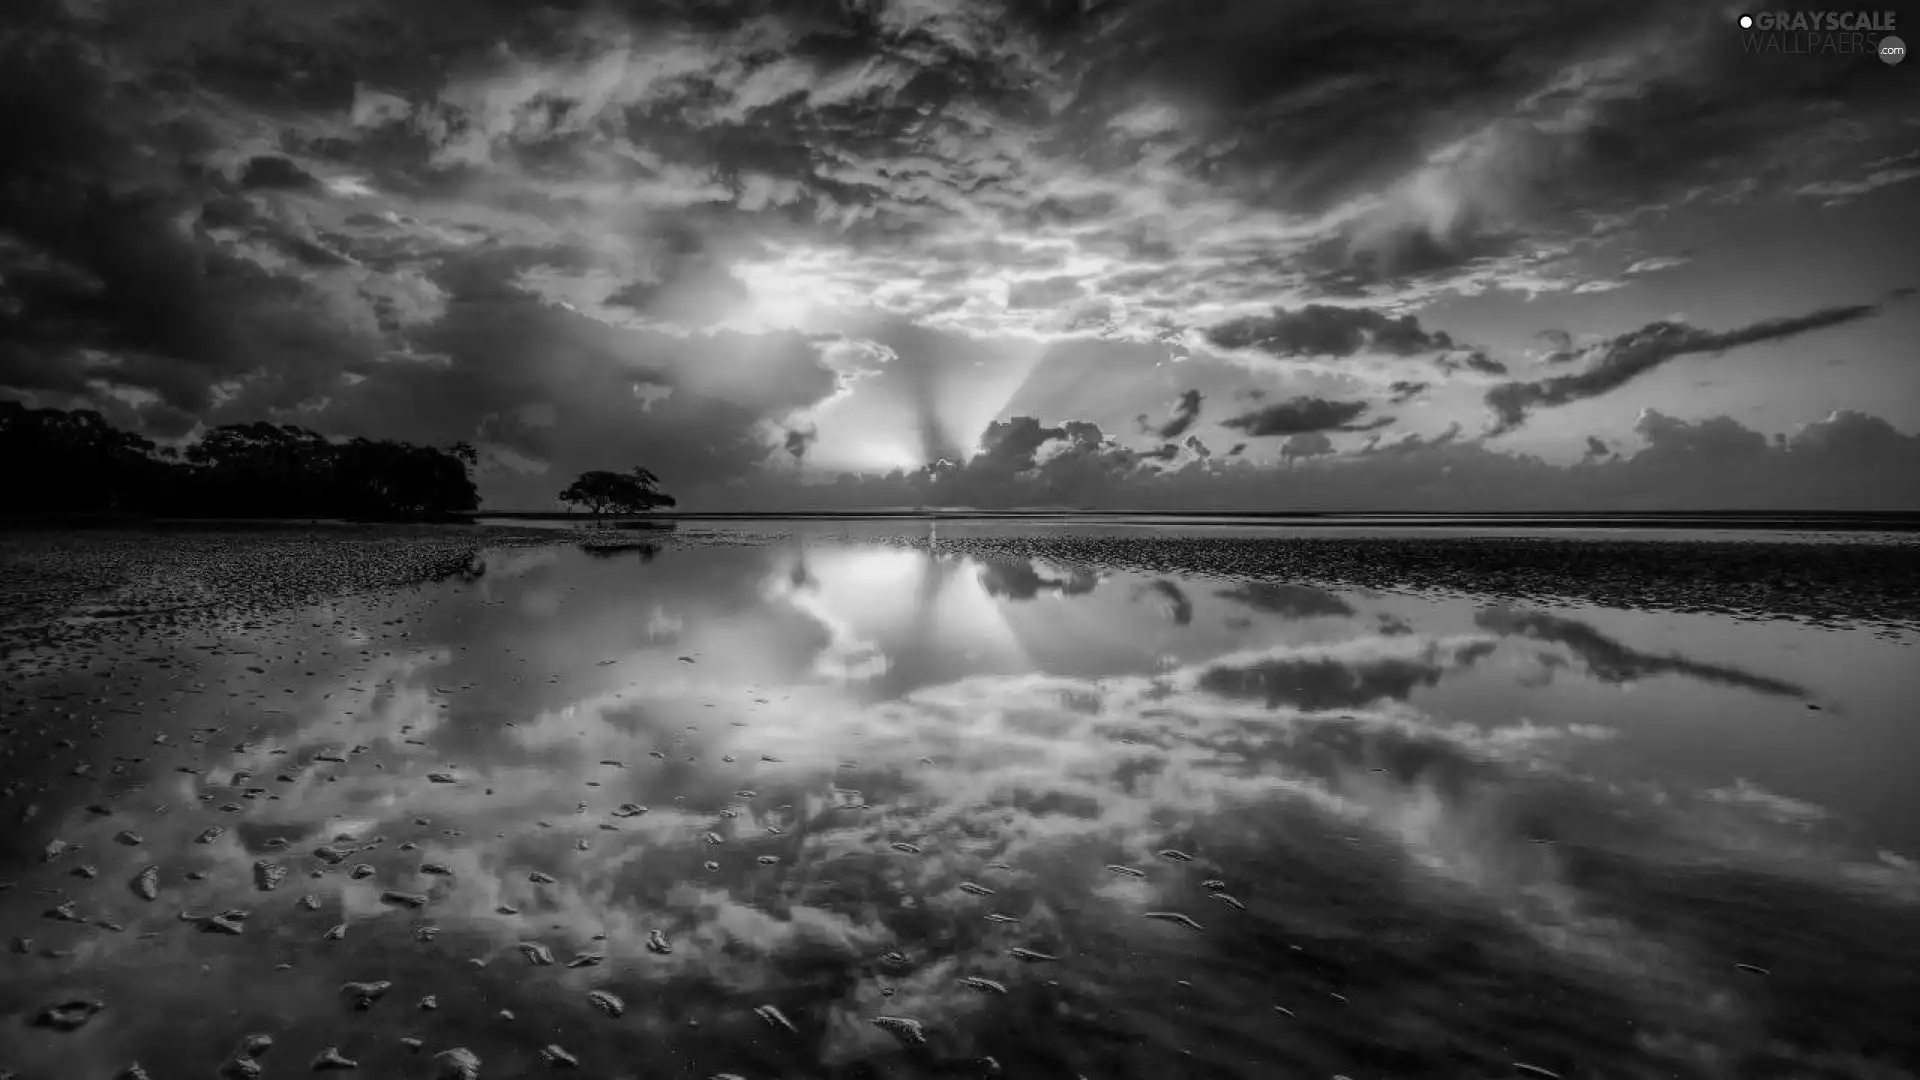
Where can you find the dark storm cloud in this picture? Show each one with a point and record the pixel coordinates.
(274, 172)
(1614, 363)
(1323, 330)
(1185, 413)
(313, 210)
(1299, 415)
(1403, 390)
(93, 198)
(1596, 448)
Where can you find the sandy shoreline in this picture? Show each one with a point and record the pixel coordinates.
(60, 585)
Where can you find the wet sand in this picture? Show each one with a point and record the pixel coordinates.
(52, 582)
(811, 802)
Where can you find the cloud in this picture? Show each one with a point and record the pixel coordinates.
(1322, 330)
(284, 215)
(272, 171)
(1185, 413)
(1043, 292)
(1614, 363)
(1474, 360)
(799, 439)
(1849, 460)
(1301, 415)
(1306, 444)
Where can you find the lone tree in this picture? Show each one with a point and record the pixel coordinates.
(634, 492)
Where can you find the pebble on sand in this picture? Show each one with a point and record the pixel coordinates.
(331, 1058)
(775, 1018)
(1174, 917)
(459, 1063)
(362, 995)
(69, 1015)
(909, 1031)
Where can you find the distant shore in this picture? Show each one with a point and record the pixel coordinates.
(1839, 521)
(1902, 521)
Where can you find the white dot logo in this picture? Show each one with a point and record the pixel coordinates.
(1746, 22)
(1892, 49)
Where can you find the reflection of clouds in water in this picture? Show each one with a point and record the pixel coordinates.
(1288, 601)
(1611, 661)
(1026, 579)
(663, 626)
(508, 564)
(1300, 772)
(1171, 599)
(837, 588)
(1780, 808)
(1348, 674)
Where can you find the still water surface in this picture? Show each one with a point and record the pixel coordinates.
(1056, 821)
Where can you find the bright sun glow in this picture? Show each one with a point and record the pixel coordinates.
(884, 456)
(787, 293)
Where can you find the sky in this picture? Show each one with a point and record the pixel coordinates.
(1132, 254)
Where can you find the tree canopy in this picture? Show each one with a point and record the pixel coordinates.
(76, 462)
(601, 491)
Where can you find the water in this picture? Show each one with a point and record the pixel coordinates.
(1415, 836)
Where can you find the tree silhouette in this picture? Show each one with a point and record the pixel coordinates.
(57, 461)
(601, 491)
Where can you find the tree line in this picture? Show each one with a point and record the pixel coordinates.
(74, 461)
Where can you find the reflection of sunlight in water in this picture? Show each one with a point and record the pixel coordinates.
(862, 597)
(840, 588)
